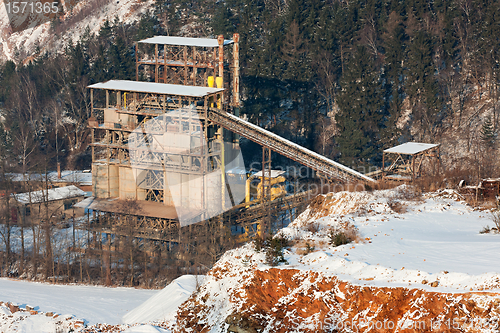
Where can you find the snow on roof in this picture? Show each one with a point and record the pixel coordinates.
(71, 176)
(411, 148)
(53, 194)
(85, 203)
(274, 173)
(184, 41)
(68, 176)
(156, 88)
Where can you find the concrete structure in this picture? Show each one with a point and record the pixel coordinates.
(161, 150)
(152, 142)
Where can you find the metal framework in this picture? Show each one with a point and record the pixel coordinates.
(327, 167)
(168, 230)
(128, 118)
(190, 61)
(407, 160)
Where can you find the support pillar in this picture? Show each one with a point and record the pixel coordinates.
(266, 173)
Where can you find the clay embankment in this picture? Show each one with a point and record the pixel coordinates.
(286, 300)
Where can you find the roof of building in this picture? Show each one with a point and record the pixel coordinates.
(184, 41)
(68, 176)
(52, 194)
(85, 203)
(156, 88)
(274, 173)
(411, 148)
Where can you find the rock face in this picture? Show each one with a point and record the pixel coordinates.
(286, 300)
(78, 15)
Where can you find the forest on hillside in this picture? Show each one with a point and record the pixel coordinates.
(346, 78)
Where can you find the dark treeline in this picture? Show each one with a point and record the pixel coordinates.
(335, 76)
(359, 65)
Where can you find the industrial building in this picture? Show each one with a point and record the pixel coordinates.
(165, 147)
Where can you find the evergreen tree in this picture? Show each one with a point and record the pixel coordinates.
(422, 86)
(8, 70)
(361, 107)
(395, 41)
(488, 135)
(223, 21)
(148, 27)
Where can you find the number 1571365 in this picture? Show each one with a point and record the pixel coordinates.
(22, 7)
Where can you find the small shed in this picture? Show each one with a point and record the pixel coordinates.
(54, 203)
(406, 160)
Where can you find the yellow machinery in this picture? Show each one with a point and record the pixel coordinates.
(254, 195)
(277, 188)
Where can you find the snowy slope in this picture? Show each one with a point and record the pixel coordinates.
(26, 41)
(416, 258)
(62, 308)
(435, 238)
(405, 242)
(23, 321)
(145, 329)
(163, 305)
(89, 303)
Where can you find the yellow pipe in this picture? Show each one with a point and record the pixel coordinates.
(219, 82)
(210, 81)
(247, 188)
(125, 100)
(273, 181)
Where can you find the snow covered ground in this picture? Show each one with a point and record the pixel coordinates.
(433, 238)
(430, 242)
(72, 306)
(404, 240)
(163, 305)
(90, 303)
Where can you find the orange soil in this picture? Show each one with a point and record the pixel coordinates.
(283, 299)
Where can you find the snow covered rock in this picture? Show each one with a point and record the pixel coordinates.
(372, 284)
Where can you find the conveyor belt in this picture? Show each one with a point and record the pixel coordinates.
(282, 146)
